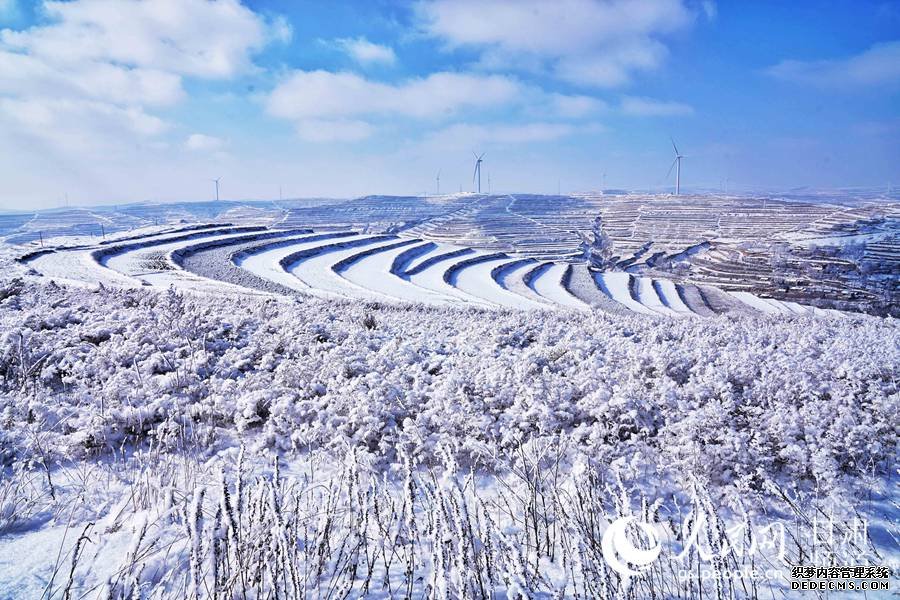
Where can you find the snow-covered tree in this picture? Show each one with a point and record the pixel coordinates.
(597, 248)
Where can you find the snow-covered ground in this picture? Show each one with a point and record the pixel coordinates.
(476, 281)
(670, 296)
(549, 285)
(647, 296)
(432, 278)
(152, 264)
(267, 262)
(616, 285)
(372, 267)
(317, 274)
(374, 273)
(763, 305)
(423, 450)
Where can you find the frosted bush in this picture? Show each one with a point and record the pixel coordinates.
(729, 398)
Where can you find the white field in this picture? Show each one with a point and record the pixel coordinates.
(266, 264)
(476, 280)
(317, 274)
(440, 248)
(432, 279)
(549, 285)
(617, 286)
(672, 298)
(148, 261)
(648, 297)
(78, 267)
(134, 263)
(374, 273)
(760, 304)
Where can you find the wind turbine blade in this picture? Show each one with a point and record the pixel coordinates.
(482, 156)
(475, 155)
(475, 173)
(674, 146)
(670, 169)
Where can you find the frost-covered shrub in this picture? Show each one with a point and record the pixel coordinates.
(738, 402)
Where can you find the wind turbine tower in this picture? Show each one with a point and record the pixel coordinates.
(477, 174)
(438, 188)
(217, 187)
(677, 164)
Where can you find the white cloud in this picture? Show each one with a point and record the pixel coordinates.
(203, 143)
(710, 9)
(333, 130)
(582, 41)
(612, 66)
(77, 127)
(325, 95)
(23, 75)
(326, 106)
(186, 37)
(465, 135)
(574, 107)
(648, 107)
(103, 64)
(366, 53)
(879, 65)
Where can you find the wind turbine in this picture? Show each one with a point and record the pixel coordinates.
(217, 187)
(438, 182)
(676, 163)
(477, 170)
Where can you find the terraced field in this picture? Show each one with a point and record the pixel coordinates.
(667, 256)
(378, 267)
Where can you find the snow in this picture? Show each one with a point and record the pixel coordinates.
(439, 249)
(374, 273)
(616, 286)
(513, 275)
(549, 285)
(138, 399)
(149, 261)
(648, 297)
(267, 263)
(773, 306)
(758, 303)
(432, 278)
(78, 267)
(139, 263)
(670, 296)
(795, 307)
(316, 273)
(841, 240)
(476, 281)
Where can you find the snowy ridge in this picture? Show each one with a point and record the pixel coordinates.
(385, 268)
(178, 256)
(104, 254)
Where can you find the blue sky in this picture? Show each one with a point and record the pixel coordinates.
(111, 102)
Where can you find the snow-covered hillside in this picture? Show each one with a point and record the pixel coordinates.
(165, 444)
(397, 269)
